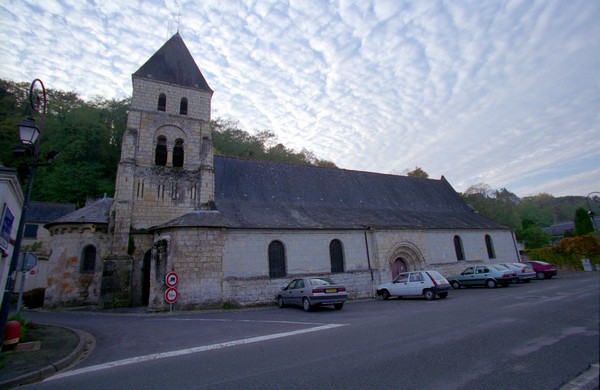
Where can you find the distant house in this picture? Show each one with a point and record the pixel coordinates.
(560, 229)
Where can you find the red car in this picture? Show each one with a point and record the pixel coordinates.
(543, 270)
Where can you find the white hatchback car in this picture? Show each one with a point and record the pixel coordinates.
(418, 283)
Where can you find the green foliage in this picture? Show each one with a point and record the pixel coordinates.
(87, 135)
(418, 172)
(569, 252)
(508, 209)
(532, 235)
(229, 140)
(583, 223)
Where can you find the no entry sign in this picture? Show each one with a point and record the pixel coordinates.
(171, 295)
(172, 279)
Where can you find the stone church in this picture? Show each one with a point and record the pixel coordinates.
(236, 230)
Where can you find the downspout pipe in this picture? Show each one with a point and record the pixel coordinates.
(367, 248)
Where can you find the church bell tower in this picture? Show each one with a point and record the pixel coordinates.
(166, 166)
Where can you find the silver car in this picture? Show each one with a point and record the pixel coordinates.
(310, 292)
(418, 283)
(489, 275)
(524, 271)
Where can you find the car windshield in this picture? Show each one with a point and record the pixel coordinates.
(321, 281)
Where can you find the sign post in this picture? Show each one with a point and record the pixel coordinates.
(171, 295)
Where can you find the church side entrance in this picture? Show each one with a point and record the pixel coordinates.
(398, 266)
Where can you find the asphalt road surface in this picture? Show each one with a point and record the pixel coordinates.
(537, 335)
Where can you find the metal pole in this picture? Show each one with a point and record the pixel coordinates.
(10, 283)
(20, 300)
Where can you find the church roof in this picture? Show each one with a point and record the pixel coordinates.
(41, 212)
(251, 194)
(98, 212)
(174, 64)
(267, 195)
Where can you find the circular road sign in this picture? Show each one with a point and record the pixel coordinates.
(171, 279)
(171, 295)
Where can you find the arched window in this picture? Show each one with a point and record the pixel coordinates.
(183, 106)
(276, 260)
(88, 259)
(336, 254)
(162, 102)
(160, 155)
(490, 247)
(178, 153)
(458, 247)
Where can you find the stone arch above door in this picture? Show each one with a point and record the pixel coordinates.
(409, 254)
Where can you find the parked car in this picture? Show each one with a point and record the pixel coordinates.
(489, 275)
(524, 271)
(418, 283)
(542, 269)
(311, 292)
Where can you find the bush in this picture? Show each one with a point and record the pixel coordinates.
(34, 298)
(569, 252)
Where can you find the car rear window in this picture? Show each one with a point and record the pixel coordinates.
(499, 267)
(321, 281)
(436, 275)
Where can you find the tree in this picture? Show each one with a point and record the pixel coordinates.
(532, 235)
(583, 222)
(418, 172)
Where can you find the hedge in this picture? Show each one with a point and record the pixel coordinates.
(569, 252)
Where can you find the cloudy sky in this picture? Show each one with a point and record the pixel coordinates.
(505, 93)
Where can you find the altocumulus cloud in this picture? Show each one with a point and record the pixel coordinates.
(505, 93)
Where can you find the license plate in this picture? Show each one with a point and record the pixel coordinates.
(331, 290)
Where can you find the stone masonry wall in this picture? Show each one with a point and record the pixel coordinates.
(66, 284)
(195, 254)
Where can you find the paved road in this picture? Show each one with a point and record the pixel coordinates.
(536, 335)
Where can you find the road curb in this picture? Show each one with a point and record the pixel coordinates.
(587, 380)
(86, 345)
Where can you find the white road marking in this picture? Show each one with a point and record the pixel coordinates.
(188, 351)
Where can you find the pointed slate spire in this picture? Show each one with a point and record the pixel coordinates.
(174, 64)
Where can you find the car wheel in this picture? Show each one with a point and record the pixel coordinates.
(443, 295)
(455, 285)
(306, 304)
(491, 283)
(540, 275)
(338, 306)
(385, 295)
(280, 302)
(429, 294)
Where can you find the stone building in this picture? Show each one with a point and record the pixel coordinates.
(236, 230)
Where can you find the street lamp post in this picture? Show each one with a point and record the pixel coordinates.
(30, 136)
(595, 198)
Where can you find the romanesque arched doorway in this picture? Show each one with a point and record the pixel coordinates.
(405, 256)
(398, 266)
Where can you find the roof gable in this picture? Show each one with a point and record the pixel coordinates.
(174, 64)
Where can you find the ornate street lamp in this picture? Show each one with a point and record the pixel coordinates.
(30, 136)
